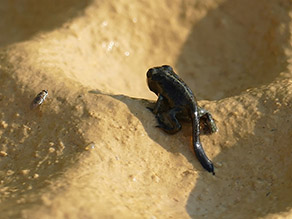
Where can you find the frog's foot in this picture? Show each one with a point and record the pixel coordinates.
(207, 122)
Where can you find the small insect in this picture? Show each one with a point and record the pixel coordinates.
(39, 99)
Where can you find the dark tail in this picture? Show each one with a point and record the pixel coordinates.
(200, 153)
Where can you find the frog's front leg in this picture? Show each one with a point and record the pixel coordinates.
(160, 105)
(207, 122)
(168, 122)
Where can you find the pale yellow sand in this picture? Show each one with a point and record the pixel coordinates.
(92, 149)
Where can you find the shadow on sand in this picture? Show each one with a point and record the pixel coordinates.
(236, 46)
(22, 20)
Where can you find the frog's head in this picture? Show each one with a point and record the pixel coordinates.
(156, 76)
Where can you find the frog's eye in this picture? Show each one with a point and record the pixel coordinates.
(150, 72)
(167, 67)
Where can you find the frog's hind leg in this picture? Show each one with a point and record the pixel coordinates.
(168, 121)
(207, 122)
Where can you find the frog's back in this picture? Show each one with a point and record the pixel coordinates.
(177, 91)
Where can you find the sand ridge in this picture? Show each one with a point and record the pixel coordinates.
(92, 149)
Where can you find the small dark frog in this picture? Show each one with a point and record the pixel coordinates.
(177, 101)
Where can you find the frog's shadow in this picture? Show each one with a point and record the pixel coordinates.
(181, 144)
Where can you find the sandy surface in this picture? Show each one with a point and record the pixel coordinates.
(92, 149)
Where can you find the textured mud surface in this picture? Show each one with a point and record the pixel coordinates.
(92, 150)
